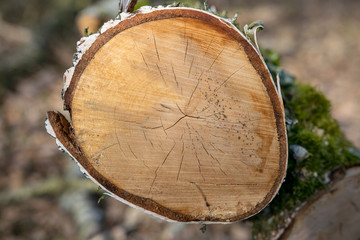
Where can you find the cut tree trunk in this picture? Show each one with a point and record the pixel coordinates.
(174, 111)
(333, 214)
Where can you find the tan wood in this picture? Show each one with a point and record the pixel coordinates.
(174, 111)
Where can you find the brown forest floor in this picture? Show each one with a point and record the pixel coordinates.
(319, 42)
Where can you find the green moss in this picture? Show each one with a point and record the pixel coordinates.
(313, 128)
(141, 3)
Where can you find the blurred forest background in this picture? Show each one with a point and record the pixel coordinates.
(43, 195)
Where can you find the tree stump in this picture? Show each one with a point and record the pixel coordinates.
(174, 111)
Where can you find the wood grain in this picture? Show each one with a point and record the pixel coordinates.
(179, 112)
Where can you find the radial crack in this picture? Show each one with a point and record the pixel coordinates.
(177, 83)
(181, 118)
(151, 143)
(218, 149)
(199, 163)
(151, 128)
(157, 52)
(182, 159)
(176, 122)
(192, 94)
(157, 169)
(142, 55)
(202, 194)
(162, 76)
(210, 43)
(145, 136)
(214, 158)
(191, 65)
(186, 50)
(163, 126)
(132, 151)
(117, 137)
(216, 59)
(164, 106)
(226, 80)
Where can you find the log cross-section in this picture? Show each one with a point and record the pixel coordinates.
(175, 112)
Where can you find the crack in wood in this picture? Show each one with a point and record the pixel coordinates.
(151, 143)
(96, 155)
(105, 148)
(118, 141)
(191, 65)
(198, 133)
(151, 128)
(145, 136)
(162, 76)
(216, 148)
(175, 79)
(187, 124)
(181, 162)
(163, 126)
(116, 134)
(203, 196)
(159, 110)
(208, 47)
(216, 89)
(164, 106)
(216, 58)
(142, 55)
(176, 122)
(192, 94)
(214, 158)
(132, 151)
(186, 50)
(157, 169)
(157, 51)
(185, 115)
(194, 148)
(198, 160)
(207, 152)
(182, 156)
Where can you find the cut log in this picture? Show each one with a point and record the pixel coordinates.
(333, 214)
(174, 111)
